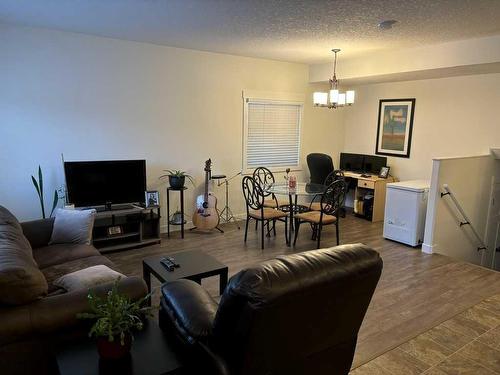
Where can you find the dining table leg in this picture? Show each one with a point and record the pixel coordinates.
(290, 225)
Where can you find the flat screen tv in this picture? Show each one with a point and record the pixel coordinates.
(96, 183)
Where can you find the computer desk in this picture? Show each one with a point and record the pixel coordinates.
(377, 185)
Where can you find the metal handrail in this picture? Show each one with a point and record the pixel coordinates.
(448, 191)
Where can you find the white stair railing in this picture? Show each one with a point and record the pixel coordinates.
(466, 221)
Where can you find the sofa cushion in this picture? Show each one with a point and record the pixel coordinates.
(7, 218)
(88, 278)
(73, 226)
(20, 279)
(56, 271)
(56, 254)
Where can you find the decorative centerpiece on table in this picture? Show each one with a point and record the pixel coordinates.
(287, 175)
(177, 178)
(116, 317)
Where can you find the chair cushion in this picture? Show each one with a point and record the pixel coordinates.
(56, 254)
(54, 272)
(87, 278)
(20, 279)
(269, 214)
(315, 216)
(315, 206)
(73, 226)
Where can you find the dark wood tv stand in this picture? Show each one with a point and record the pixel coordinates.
(135, 226)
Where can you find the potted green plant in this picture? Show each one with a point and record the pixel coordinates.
(39, 190)
(116, 316)
(177, 178)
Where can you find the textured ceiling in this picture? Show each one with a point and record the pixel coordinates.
(290, 30)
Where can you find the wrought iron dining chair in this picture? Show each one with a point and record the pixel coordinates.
(332, 201)
(264, 178)
(254, 199)
(332, 177)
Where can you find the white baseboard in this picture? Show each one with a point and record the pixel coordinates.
(428, 249)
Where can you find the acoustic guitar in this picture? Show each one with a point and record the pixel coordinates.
(205, 216)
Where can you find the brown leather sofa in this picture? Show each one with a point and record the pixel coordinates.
(36, 316)
(296, 314)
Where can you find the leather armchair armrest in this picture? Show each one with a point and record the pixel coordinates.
(53, 313)
(190, 308)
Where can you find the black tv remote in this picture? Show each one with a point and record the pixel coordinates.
(169, 263)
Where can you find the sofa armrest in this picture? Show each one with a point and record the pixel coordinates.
(53, 313)
(38, 232)
(190, 309)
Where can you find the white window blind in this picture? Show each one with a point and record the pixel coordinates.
(272, 134)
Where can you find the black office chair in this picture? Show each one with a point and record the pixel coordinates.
(320, 166)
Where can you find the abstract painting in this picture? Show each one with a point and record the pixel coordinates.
(395, 125)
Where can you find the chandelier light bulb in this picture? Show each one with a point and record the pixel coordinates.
(342, 99)
(334, 96)
(320, 98)
(349, 97)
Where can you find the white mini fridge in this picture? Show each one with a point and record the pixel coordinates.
(405, 209)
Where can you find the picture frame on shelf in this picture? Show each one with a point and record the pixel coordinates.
(152, 198)
(384, 172)
(395, 127)
(114, 230)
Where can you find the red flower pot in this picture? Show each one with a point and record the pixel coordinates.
(113, 349)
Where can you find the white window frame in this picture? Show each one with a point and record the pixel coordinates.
(271, 98)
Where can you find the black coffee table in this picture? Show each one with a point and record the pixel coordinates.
(194, 265)
(152, 353)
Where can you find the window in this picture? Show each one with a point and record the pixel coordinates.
(271, 134)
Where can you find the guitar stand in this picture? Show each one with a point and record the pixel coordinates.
(217, 227)
(227, 214)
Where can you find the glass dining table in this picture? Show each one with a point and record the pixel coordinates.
(302, 189)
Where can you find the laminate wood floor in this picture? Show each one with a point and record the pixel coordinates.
(416, 292)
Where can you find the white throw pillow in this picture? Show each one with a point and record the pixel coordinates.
(87, 278)
(73, 226)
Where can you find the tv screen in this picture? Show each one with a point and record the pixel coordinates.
(351, 162)
(95, 183)
(373, 164)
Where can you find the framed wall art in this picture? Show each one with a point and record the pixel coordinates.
(395, 126)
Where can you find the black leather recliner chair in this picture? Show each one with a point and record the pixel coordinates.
(296, 314)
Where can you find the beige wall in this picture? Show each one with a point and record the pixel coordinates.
(100, 98)
(472, 189)
(453, 117)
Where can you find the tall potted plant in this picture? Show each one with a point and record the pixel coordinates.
(177, 178)
(39, 190)
(116, 316)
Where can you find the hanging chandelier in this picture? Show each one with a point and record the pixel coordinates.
(335, 98)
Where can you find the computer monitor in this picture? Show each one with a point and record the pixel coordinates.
(351, 162)
(373, 164)
(362, 163)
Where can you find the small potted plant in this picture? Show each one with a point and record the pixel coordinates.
(116, 316)
(177, 178)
